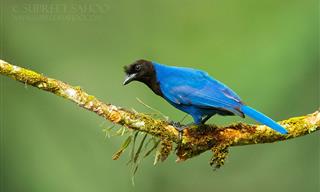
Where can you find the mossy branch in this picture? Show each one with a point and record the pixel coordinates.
(195, 140)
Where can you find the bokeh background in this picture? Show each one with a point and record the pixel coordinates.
(267, 51)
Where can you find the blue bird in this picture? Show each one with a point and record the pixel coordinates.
(194, 92)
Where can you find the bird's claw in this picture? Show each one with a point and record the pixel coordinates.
(179, 127)
(176, 125)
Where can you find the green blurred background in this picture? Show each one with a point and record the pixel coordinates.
(267, 51)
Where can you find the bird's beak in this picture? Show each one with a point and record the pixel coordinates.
(129, 78)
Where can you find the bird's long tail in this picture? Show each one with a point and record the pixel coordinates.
(258, 116)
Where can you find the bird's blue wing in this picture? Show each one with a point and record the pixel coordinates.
(197, 88)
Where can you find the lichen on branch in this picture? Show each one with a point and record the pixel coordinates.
(195, 140)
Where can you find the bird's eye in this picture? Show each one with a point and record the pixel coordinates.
(137, 67)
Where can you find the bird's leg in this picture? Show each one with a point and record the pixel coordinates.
(184, 117)
(206, 119)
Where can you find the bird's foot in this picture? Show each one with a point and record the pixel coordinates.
(179, 127)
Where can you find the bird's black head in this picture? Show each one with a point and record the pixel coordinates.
(141, 70)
